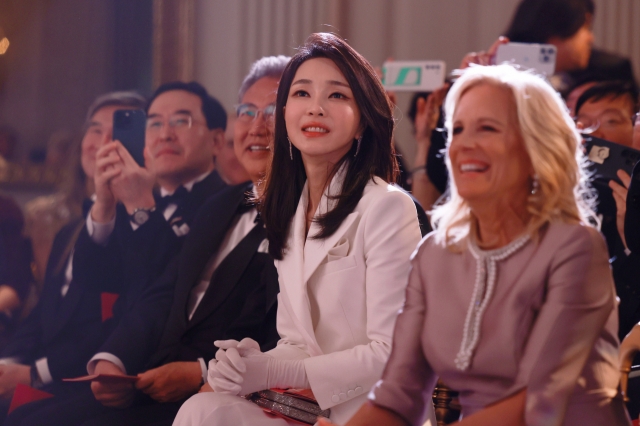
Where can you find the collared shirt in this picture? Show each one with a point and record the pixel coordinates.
(239, 229)
(100, 232)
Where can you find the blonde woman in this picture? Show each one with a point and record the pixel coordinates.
(510, 301)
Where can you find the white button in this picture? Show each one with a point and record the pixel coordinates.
(350, 393)
(335, 398)
(358, 390)
(343, 396)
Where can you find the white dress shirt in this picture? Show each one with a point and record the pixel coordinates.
(99, 234)
(239, 229)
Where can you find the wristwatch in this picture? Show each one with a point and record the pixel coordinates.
(141, 216)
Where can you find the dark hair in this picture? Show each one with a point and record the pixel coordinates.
(536, 21)
(286, 177)
(212, 109)
(609, 89)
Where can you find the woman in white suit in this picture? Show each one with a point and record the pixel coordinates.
(341, 235)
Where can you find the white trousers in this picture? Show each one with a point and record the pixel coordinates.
(220, 409)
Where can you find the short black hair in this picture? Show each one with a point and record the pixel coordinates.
(536, 21)
(212, 109)
(609, 89)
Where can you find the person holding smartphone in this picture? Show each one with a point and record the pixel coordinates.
(65, 327)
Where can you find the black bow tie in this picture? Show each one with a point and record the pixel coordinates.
(177, 197)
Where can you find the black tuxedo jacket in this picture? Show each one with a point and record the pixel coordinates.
(141, 256)
(239, 302)
(69, 330)
(66, 330)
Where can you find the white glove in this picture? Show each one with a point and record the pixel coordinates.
(240, 368)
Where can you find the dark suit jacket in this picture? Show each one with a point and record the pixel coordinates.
(240, 301)
(141, 256)
(67, 330)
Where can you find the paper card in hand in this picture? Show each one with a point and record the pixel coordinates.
(104, 378)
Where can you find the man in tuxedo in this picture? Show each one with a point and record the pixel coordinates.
(134, 229)
(132, 232)
(223, 285)
(66, 326)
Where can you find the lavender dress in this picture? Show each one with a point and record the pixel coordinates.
(538, 314)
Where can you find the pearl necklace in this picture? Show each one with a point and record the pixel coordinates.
(482, 292)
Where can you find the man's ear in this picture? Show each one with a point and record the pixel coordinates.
(217, 140)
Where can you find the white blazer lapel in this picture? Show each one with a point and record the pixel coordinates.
(290, 268)
(315, 251)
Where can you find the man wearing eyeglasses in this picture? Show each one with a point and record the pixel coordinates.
(134, 232)
(223, 285)
(184, 126)
(608, 111)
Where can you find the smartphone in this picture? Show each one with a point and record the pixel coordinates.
(605, 159)
(540, 57)
(608, 157)
(632, 216)
(414, 76)
(129, 126)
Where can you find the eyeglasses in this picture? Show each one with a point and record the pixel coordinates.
(177, 122)
(610, 120)
(249, 112)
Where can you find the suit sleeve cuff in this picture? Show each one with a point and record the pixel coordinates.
(203, 368)
(104, 356)
(43, 371)
(100, 232)
(9, 360)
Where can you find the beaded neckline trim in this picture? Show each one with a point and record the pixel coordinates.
(482, 293)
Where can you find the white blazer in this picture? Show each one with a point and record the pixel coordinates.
(339, 297)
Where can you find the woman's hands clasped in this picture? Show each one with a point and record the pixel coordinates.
(239, 368)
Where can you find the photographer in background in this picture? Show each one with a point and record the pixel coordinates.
(607, 111)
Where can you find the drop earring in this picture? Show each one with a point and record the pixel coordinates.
(535, 184)
(290, 149)
(358, 146)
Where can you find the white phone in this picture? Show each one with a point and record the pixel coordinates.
(414, 76)
(540, 57)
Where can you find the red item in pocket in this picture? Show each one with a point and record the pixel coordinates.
(25, 394)
(108, 300)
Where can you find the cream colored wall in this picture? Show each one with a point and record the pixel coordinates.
(232, 34)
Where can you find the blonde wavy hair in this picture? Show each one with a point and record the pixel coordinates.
(552, 142)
